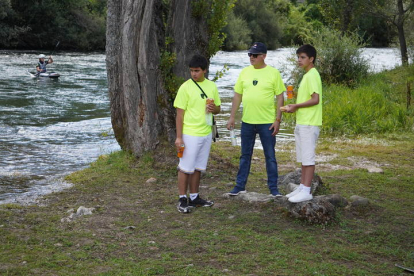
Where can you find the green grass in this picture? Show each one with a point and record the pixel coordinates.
(232, 238)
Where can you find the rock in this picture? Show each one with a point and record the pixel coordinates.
(151, 180)
(291, 187)
(374, 170)
(358, 201)
(315, 211)
(294, 178)
(336, 200)
(230, 184)
(251, 197)
(83, 211)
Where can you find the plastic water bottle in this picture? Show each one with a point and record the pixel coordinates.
(233, 137)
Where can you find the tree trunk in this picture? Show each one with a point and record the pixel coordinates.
(189, 35)
(141, 109)
(401, 35)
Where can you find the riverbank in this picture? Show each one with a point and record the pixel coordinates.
(135, 228)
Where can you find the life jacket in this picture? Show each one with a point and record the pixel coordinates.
(42, 66)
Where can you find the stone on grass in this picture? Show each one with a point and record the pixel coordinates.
(251, 197)
(151, 180)
(83, 211)
(336, 200)
(358, 201)
(374, 170)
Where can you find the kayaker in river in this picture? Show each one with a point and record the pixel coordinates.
(41, 65)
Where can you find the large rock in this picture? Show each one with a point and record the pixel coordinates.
(284, 182)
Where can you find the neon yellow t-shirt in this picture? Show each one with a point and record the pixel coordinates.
(189, 99)
(312, 115)
(259, 88)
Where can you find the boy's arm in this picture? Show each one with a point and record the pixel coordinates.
(179, 122)
(314, 100)
(237, 99)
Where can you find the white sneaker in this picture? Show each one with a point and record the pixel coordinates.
(301, 196)
(295, 192)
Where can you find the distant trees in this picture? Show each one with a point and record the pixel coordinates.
(78, 24)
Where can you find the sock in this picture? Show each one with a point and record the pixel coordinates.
(181, 196)
(306, 189)
(193, 196)
(301, 186)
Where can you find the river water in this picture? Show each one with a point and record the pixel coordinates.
(52, 127)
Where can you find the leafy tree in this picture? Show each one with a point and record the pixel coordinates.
(396, 12)
(78, 24)
(9, 32)
(263, 18)
(237, 33)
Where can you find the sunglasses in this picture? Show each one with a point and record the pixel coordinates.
(254, 55)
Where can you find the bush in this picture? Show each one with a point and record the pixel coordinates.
(339, 58)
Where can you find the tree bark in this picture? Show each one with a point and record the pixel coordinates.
(141, 109)
(401, 35)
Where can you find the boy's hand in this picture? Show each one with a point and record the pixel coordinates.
(210, 106)
(291, 108)
(178, 143)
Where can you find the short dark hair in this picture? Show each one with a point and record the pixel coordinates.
(198, 61)
(307, 49)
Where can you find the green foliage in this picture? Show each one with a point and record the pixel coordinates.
(263, 19)
(219, 74)
(237, 33)
(215, 12)
(171, 81)
(78, 25)
(339, 58)
(362, 110)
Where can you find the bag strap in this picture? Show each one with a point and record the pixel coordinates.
(205, 95)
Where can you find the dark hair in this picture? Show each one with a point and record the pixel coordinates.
(307, 49)
(198, 61)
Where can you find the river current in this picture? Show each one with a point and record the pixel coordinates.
(52, 127)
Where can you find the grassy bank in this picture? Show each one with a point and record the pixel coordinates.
(232, 238)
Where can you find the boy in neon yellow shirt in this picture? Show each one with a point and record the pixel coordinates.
(308, 109)
(194, 131)
(257, 87)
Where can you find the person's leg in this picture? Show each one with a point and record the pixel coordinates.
(248, 137)
(194, 181)
(182, 183)
(200, 166)
(308, 136)
(268, 144)
(307, 175)
(185, 170)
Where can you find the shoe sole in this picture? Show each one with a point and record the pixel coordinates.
(300, 201)
(234, 194)
(184, 210)
(194, 206)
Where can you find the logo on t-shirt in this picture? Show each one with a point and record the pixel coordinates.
(255, 81)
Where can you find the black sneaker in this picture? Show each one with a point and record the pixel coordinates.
(182, 205)
(199, 202)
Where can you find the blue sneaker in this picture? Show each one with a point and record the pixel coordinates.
(236, 191)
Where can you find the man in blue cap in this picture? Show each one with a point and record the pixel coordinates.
(257, 87)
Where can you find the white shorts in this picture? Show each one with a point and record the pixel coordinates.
(306, 137)
(196, 152)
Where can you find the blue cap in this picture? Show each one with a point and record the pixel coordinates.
(258, 48)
